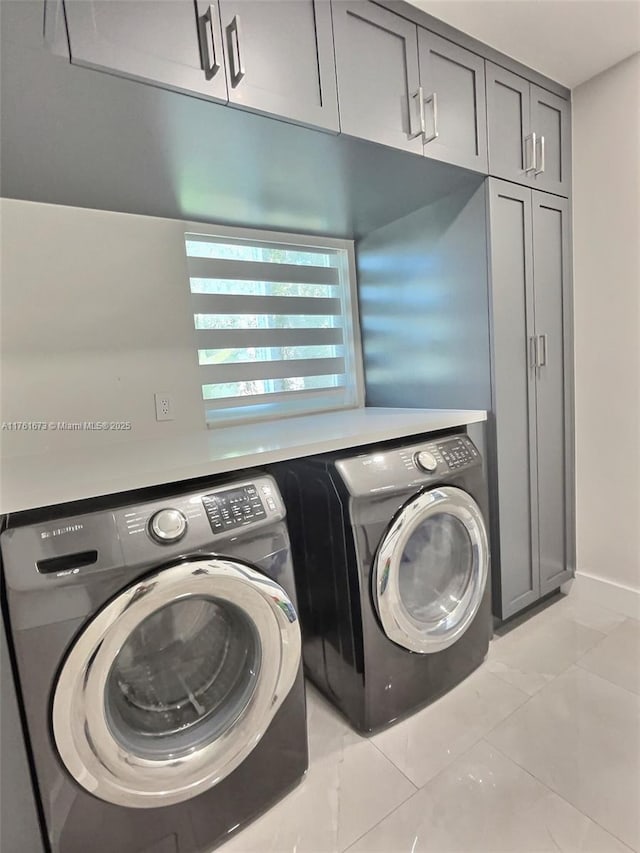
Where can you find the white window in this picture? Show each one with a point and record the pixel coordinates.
(276, 325)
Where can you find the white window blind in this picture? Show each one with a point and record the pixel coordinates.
(275, 325)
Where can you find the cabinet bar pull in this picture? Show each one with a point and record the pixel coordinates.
(210, 64)
(433, 100)
(237, 66)
(540, 148)
(530, 153)
(533, 351)
(542, 351)
(420, 98)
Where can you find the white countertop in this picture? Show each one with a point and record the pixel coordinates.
(42, 480)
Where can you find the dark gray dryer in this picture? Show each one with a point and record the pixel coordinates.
(391, 556)
(158, 653)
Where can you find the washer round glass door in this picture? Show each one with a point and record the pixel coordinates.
(175, 681)
(431, 570)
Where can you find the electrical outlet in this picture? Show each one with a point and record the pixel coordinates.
(164, 407)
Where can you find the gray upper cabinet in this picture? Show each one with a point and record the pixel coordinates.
(378, 76)
(509, 112)
(550, 121)
(531, 482)
(279, 59)
(403, 86)
(271, 56)
(529, 132)
(176, 43)
(453, 92)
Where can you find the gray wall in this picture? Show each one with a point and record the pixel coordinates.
(424, 307)
(19, 829)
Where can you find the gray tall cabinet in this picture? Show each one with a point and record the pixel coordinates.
(531, 436)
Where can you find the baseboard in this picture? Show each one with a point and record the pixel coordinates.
(615, 596)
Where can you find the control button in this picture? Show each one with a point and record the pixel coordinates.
(168, 525)
(271, 504)
(426, 461)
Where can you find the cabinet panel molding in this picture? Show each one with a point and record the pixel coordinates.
(455, 77)
(551, 265)
(279, 59)
(550, 119)
(513, 425)
(157, 41)
(378, 76)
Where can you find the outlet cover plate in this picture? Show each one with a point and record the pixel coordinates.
(164, 407)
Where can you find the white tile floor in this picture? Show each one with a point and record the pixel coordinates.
(539, 750)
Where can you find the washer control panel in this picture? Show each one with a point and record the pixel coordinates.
(235, 507)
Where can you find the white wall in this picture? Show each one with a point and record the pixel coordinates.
(606, 208)
(95, 319)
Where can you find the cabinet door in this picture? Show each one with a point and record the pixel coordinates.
(550, 120)
(514, 484)
(280, 60)
(20, 826)
(452, 81)
(551, 263)
(377, 67)
(153, 40)
(508, 113)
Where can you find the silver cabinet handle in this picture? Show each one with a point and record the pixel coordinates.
(433, 100)
(530, 153)
(235, 57)
(533, 351)
(210, 64)
(540, 148)
(542, 350)
(418, 95)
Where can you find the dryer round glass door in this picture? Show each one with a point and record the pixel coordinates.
(431, 570)
(174, 682)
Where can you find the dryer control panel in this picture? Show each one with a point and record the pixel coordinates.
(457, 452)
(412, 465)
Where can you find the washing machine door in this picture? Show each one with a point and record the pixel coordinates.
(175, 681)
(431, 569)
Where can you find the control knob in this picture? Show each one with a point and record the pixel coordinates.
(426, 461)
(167, 525)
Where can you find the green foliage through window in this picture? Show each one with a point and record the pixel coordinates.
(273, 323)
